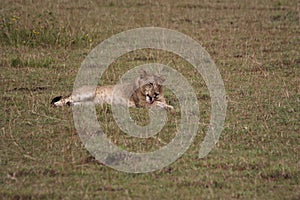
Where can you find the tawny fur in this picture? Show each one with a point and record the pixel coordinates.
(146, 91)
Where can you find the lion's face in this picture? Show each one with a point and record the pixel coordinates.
(150, 86)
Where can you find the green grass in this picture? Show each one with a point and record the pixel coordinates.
(255, 46)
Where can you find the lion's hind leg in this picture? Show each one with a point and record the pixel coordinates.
(60, 101)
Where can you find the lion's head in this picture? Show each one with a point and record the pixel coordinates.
(149, 86)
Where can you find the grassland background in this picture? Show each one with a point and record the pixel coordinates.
(256, 47)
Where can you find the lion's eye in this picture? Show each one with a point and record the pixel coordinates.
(151, 84)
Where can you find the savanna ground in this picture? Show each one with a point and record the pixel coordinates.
(256, 47)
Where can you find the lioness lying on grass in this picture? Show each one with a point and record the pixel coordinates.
(145, 91)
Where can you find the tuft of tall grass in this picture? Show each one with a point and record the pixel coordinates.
(18, 62)
(43, 30)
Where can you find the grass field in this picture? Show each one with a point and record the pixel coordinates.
(256, 47)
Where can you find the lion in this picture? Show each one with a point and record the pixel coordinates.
(145, 92)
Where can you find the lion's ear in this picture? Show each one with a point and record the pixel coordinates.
(162, 79)
(143, 73)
